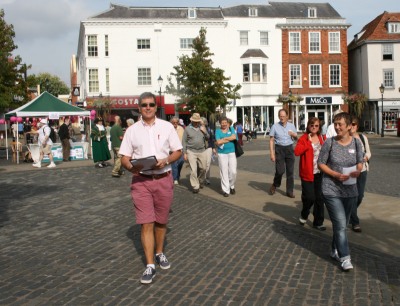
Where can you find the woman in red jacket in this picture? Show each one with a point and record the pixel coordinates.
(308, 147)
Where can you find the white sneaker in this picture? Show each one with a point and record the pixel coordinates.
(346, 265)
(302, 221)
(37, 165)
(52, 165)
(176, 182)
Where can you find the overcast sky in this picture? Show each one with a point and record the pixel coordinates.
(46, 31)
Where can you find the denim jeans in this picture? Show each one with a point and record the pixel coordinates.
(339, 210)
(361, 181)
(176, 168)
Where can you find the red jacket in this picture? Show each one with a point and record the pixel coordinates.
(305, 150)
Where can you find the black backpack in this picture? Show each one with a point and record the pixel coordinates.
(53, 135)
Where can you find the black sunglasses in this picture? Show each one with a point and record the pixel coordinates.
(147, 104)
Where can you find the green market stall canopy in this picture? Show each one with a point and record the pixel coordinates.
(44, 105)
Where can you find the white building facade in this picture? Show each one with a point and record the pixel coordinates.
(124, 51)
(374, 61)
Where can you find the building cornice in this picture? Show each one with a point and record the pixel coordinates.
(141, 22)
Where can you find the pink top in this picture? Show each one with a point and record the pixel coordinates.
(143, 140)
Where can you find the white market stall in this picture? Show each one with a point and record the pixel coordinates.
(46, 106)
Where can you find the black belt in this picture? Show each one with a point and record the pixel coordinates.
(155, 176)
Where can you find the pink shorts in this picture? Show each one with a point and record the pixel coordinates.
(152, 198)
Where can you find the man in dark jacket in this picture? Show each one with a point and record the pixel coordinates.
(63, 133)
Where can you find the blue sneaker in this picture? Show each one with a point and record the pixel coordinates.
(148, 275)
(162, 261)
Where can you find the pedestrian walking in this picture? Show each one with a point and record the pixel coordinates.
(209, 149)
(195, 139)
(227, 162)
(101, 153)
(64, 134)
(45, 144)
(308, 148)
(178, 164)
(362, 179)
(340, 161)
(116, 135)
(151, 189)
(282, 135)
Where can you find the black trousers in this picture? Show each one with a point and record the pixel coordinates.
(284, 160)
(311, 194)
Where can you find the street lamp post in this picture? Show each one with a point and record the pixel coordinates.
(162, 114)
(382, 90)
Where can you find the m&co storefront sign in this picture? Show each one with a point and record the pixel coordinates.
(318, 100)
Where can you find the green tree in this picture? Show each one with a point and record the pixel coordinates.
(13, 87)
(200, 87)
(50, 83)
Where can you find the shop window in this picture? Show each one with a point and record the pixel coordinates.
(390, 119)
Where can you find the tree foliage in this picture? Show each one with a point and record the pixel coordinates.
(13, 91)
(48, 82)
(200, 87)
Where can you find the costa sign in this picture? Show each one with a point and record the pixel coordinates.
(318, 100)
(122, 102)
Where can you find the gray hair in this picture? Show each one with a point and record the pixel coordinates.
(205, 121)
(130, 121)
(174, 118)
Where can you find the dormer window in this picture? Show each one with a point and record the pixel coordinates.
(312, 12)
(394, 27)
(253, 12)
(192, 13)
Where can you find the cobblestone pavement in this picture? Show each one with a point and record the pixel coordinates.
(68, 237)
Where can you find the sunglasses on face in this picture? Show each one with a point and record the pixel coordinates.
(354, 124)
(147, 104)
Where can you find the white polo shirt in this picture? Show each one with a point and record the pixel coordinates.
(142, 140)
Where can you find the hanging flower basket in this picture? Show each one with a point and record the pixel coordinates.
(356, 103)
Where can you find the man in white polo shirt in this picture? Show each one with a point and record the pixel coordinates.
(151, 190)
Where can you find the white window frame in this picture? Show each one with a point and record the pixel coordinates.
(294, 77)
(143, 44)
(107, 79)
(311, 76)
(312, 12)
(186, 43)
(253, 12)
(394, 27)
(93, 80)
(244, 38)
(92, 47)
(331, 67)
(192, 14)
(334, 42)
(144, 76)
(259, 76)
(264, 38)
(313, 43)
(388, 82)
(292, 40)
(106, 46)
(387, 49)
